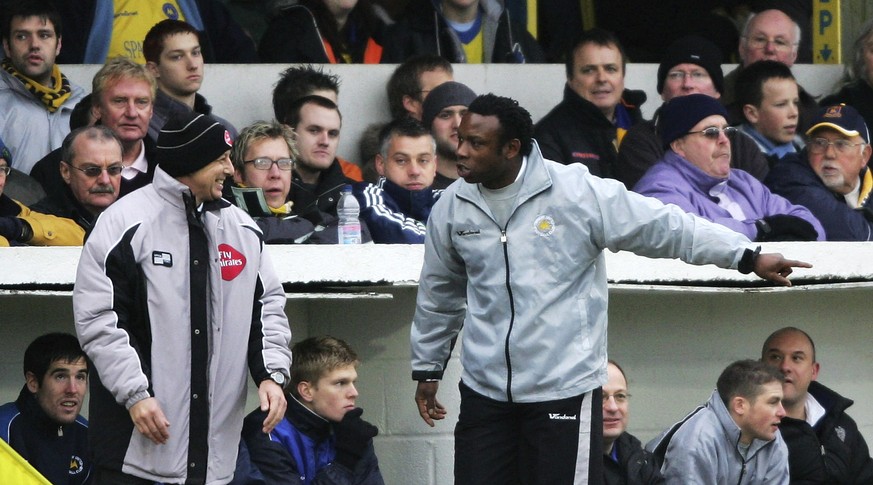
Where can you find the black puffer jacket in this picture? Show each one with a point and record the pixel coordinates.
(634, 467)
(575, 131)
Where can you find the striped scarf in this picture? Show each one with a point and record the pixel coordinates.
(52, 98)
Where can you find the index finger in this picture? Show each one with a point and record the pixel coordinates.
(797, 264)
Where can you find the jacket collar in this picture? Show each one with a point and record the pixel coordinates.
(730, 429)
(33, 412)
(696, 177)
(306, 421)
(176, 193)
(535, 179)
(408, 201)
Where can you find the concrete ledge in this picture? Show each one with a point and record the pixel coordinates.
(323, 268)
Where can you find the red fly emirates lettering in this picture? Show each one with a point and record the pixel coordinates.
(232, 262)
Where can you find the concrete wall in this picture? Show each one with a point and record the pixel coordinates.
(243, 93)
(673, 327)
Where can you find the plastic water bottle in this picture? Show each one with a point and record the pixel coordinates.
(348, 210)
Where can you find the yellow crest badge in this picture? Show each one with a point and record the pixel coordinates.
(544, 225)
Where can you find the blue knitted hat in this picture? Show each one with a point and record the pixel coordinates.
(680, 114)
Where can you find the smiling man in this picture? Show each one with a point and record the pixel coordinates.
(322, 438)
(696, 175)
(734, 437)
(44, 425)
(396, 208)
(37, 99)
(824, 444)
(514, 256)
(589, 124)
(176, 303)
(174, 55)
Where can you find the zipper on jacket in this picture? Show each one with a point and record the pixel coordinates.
(511, 317)
(742, 474)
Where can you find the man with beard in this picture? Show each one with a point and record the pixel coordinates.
(441, 114)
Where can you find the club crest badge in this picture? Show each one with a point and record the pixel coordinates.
(544, 225)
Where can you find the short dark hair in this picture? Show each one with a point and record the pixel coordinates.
(316, 356)
(404, 80)
(750, 81)
(95, 132)
(783, 330)
(297, 82)
(596, 36)
(49, 348)
(515, 121)
(44, 9)
(403, 126)
(156, 37)
(292, 116)
(744, 378)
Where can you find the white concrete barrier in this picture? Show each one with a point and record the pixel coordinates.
(673, 327)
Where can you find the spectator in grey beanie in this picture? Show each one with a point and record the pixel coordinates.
(441, 115)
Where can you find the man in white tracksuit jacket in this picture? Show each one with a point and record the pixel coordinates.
(175, 303)
(513, 254)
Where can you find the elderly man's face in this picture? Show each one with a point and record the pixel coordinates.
(125, 107)
(598, 76)
(867, 53)
(839, 171)
(710, 154)
(772, 36)
(95, 193)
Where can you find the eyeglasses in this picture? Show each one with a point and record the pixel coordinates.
(682, 75)
(264, 163)
(93, 171)
(5, 169)
(760, 42)
(818, 146)
(712, 132)
(620, 397)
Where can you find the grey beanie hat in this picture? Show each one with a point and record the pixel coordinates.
(449, 93)
(190, 141)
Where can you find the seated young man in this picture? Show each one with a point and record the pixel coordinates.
(733, 438)
(768, 96)
(397, 207)
(322, 439)
(263, 158)
(44, 425)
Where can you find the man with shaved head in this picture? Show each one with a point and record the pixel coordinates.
(824, 444)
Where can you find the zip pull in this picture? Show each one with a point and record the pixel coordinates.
(503, 236)
(823, 450)
(60, 431)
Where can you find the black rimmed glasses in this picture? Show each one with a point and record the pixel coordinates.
(264, 163)
(5, 169)
(94, 171)
(713, 132)
(817, 146)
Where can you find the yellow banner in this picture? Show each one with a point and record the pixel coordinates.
(15, 469)
(826, 29)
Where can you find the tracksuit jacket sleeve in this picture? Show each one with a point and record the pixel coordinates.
(104, 309)
(663, 230)
(270, 333)
(441, 302)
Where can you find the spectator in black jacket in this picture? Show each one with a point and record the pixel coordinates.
(625, 462)
(589, 124)
(824, 444)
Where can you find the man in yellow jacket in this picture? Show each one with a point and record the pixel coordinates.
(21, 226)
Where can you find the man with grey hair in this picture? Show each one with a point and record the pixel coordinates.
(90, 167)
(767, 35)
(122, 99)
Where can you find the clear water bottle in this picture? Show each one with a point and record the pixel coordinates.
(348, 210)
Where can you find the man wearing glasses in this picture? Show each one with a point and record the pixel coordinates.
(122, 98)
(831, 176)
(767, 35)
(695, 174)
(624, 459)
(91, 170)
(263, 159)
